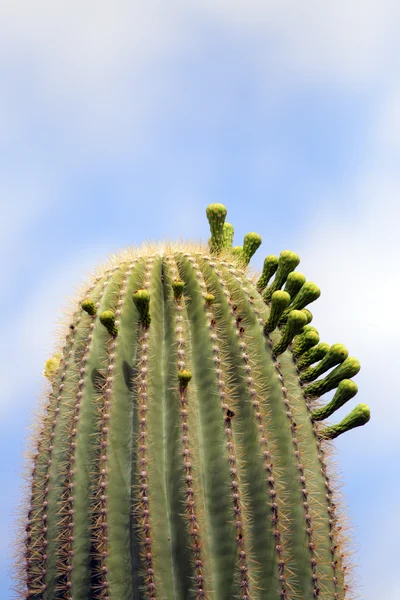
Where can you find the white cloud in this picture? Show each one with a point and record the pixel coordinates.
(92, 64)
(106, 67)
(349, 41)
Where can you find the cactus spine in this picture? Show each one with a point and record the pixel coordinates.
(182, 453)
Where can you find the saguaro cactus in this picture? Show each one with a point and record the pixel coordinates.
(182, 452)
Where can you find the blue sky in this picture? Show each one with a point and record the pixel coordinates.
(119, 124)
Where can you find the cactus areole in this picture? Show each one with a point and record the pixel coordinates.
(182, 452)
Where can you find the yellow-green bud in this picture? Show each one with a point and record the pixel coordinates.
(107, 318)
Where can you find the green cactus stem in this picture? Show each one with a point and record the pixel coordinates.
(216, 215)
(360, 415)
(269, 269)
(309, 292)
(294, 282)
(295, 322)
(227, 236)
(346, 390)
(347, 369)
(305, 340)
(182, 456)
(287, 263)
(336, 355)
(252, 241)
(312, 355)
(279, 301)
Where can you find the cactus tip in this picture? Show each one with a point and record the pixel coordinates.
(297, 319)
(294, 282)
(360, 415)
(289, 258)
(295, 323)
(346, 390)
(348, 368)
(269, 268)
(308, 314)
(252, 241)
(216, 214)
(279, 301)
(216, 210)
(287, 263)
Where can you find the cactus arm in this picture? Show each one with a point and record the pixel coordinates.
(304, 341)
(252, 241)
(346, 390)
(269, 268)
(227, 236)
(216, 214)
(360, 415)
(312, 355)
(294, 324)
(211, 438)
(345, 370)
(287, 263)
(294, 282)
(279, 301)
(335, 356)
(308, 292)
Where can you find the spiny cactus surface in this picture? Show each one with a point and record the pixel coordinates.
(182, 452)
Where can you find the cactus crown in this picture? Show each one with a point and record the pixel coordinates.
(182, 453)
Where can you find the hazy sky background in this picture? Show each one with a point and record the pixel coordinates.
(120, 122)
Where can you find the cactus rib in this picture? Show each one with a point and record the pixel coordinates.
(271, 553)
